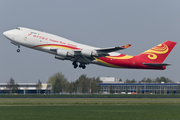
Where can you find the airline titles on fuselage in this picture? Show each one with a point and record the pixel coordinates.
(55, 41)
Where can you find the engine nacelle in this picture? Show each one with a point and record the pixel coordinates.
(65, 53)
(59, 57)
(62, 52)
(88, 53)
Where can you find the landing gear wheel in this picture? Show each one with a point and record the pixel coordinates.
(83, 66)
(75, 64)
(18, 50)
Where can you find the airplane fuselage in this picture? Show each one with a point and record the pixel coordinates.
(65, 49)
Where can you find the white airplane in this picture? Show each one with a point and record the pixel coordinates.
(65, 49)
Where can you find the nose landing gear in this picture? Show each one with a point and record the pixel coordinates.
(18, 50)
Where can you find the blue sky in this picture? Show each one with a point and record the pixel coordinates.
(101, 23)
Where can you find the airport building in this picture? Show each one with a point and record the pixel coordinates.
(27, 88)
(110, 84)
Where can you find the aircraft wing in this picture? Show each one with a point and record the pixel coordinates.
(85, 55)
(112, 49)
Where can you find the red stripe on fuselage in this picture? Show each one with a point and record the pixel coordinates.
(56, 45)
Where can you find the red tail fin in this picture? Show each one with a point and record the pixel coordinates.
(158, 53)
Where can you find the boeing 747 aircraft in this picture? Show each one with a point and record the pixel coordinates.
(81, 55)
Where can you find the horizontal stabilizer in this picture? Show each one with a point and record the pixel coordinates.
(156, 64)
(112, 49)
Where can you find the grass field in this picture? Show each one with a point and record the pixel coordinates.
(91, 112)
(87, 101)
(89, 109)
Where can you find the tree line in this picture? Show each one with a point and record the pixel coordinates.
(149, 80)
(11, 87)
(83, 84)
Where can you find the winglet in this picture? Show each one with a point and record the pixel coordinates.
(126, 46)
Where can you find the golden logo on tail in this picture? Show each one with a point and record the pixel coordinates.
(159, 49)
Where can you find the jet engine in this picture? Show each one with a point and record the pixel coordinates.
(65, 53)
(89, 53)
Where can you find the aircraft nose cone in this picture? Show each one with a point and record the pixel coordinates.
(8, 34)
(5, 33)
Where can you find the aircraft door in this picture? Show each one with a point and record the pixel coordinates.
(40, 36)
(25, 37)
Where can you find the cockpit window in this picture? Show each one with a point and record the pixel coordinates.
(18, 28)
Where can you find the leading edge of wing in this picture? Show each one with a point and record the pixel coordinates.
(113, 49)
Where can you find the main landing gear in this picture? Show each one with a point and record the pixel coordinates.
(18, 50)
(75, 64)
(83, 66)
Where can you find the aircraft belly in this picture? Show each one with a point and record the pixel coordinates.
(106, 64)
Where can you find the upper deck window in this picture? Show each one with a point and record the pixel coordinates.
(18, 28)
(33, 33)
